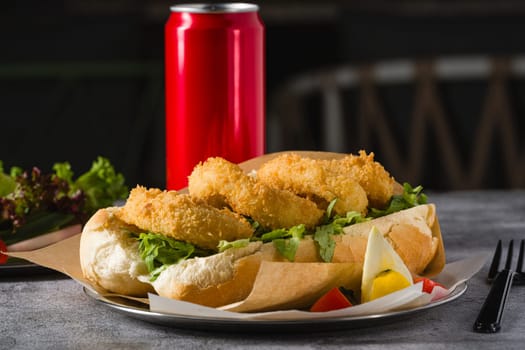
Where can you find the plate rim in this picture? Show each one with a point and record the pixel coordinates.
(204, 322)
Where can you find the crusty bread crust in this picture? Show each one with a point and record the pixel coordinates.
(413, 233)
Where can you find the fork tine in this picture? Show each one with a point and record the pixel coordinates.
(494, 266)
(508, 263)
(519, 267)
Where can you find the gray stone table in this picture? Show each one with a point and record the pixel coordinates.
(52, 312)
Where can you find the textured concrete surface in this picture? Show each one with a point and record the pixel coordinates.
(52, 312)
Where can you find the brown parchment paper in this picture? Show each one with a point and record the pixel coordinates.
(276, 285)
(64, 257)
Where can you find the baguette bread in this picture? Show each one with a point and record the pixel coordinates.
(109, 257)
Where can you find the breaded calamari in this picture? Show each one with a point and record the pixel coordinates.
(371, 175)
(181, 217)
(313, 179)
(222, 183)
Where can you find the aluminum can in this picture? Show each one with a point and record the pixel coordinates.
(215, 86)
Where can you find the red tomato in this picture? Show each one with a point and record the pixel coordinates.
(3, 248)
(428, 284)
(334, 299)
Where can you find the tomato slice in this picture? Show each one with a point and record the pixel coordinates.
(3, 248)
(428, 284)
(334, 299)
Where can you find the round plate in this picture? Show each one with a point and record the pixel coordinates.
(140, 311)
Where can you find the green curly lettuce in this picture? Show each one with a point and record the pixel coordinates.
(411, 197)
(159, 252)
(102, 185)
(33, 202)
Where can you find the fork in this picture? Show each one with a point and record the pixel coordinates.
(489, 318)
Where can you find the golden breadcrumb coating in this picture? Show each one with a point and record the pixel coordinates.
(181, 217)
(222, 183)
(357, 181)
(371, 175)
(313, 178)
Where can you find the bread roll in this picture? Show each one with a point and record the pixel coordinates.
(411, 232)
(110, 258)
(215, 280)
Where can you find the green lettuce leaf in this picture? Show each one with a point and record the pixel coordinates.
(240, 243)
(323, 234)
(101, 184)
(323, 237)
(411, 197)
(7, 183)
(159, 252)
(287, 246)
(275, 234)
(286, 241)
(45, 202)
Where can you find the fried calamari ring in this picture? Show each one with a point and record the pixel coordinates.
(222, 183)
(371, 175)
(313, 179)
(357, 181)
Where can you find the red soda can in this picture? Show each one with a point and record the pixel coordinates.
(215, 82)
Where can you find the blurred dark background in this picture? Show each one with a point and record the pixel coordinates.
(80, 79)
